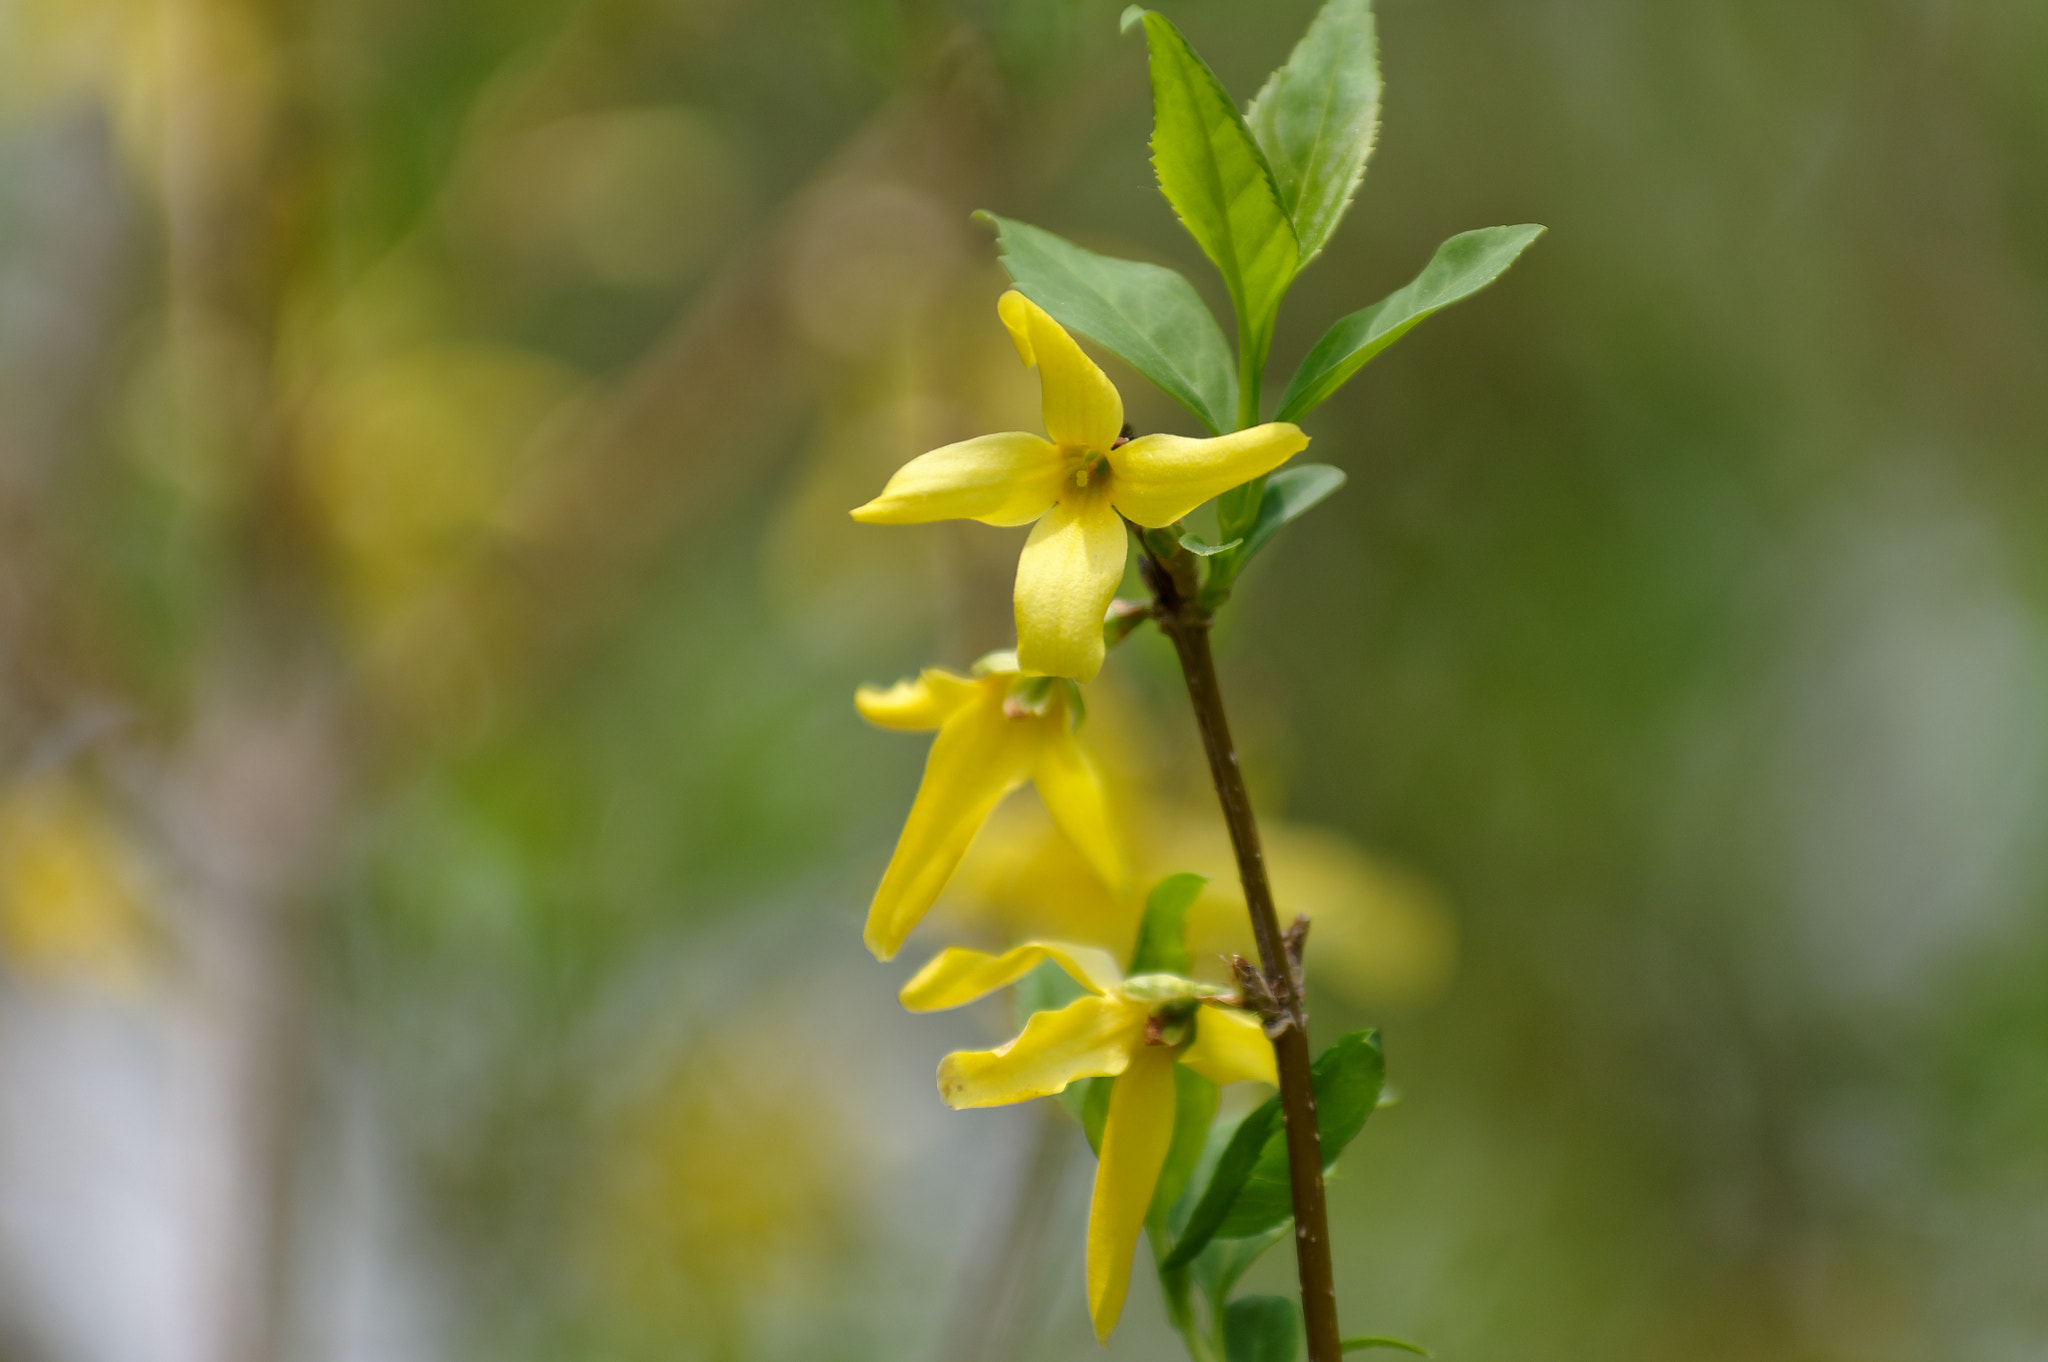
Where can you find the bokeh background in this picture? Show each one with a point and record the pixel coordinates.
(434, 830)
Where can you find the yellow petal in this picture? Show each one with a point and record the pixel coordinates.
(1082, 407)
(1066, 578)
(1072, 790)
(1015, 310)
(1005, 479)
(1090, 1037)
(957, 976)
(978, 757)
(1160, 478)
(1135, 1139)
(915, 705)
(1230, 1047)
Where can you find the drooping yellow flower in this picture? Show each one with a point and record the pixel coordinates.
(996, 731)
(1076, 485)
(1131, 1029)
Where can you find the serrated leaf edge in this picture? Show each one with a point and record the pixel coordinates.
(1233, 279)
(1372, 139)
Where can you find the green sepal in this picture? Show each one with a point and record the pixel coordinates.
(1147, 315)
(1354, 1345)
(1462, 266)
(1287, 494)
(1316, 119)
(1162, 933)
(1261, 1329)
(1213, 173)
(1077, 707)
(1030, 694)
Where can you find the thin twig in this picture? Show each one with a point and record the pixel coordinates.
(1182, 621)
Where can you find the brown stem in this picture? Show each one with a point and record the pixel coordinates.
(1172, 582)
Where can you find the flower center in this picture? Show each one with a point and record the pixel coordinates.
(1086, 468)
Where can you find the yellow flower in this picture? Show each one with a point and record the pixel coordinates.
(1076, 485)
(1131, 1029)
(996, 730)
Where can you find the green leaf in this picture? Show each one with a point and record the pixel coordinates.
(1347, 1079)
(1147, 315)
(1316, 119)
(1239, 1158)
(1353, 1345)
(1162, 932)
(1217, 1268)
(1286, 495)
(1194, 545)
(1289, 493)
(1217, 180)
(1194, 1107)
(1261, 1329)
(1462, 266)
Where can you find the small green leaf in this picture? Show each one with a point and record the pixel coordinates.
(1194, 545)
(1316, 119)
(1261, 1329)
(1147, 315)
(1217, 180)
(1289, 493)
(1347, 1079)
(1194, 1107)
(1238, 1160)
(1462, 266)
(1162, 932)
(1286, 495)
(1353, 1345)
(1131, 15)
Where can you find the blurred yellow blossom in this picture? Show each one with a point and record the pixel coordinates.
(996, 731)
(70, 906)
(719, 1188)
(1079, 486)
(1382, 934)
(416, 459)
(1134, 1030)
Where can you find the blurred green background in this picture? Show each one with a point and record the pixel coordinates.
(434, 830)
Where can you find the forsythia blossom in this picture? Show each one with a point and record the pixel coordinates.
(1134, 1029)
(1079, 486)
(996, 730)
